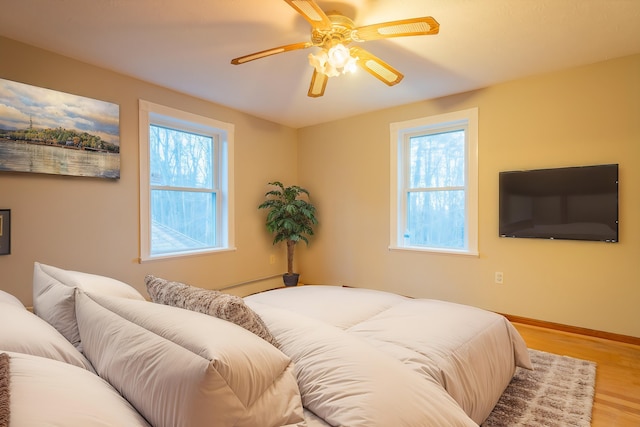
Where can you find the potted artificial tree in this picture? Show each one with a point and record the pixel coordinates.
(291, 219)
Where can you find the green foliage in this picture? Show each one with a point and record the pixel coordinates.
(290, 218)
(62, 136)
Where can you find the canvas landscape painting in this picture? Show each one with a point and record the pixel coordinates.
(52, 132)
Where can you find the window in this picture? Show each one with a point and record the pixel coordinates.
(186, 170)
(434, 183)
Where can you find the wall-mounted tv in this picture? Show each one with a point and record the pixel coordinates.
(574, 203)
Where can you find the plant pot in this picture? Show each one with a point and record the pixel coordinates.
(290, 279)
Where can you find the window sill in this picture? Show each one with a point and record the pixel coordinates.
(435, 251)
(145, 259)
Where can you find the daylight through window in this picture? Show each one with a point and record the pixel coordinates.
(435, 182)
(185, 208)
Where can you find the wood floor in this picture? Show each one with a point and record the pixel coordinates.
(617, 397)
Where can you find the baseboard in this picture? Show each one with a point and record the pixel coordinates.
(574, 329)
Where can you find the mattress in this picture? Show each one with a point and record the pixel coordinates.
(348, 343)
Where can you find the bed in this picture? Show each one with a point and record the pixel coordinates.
(357, 348)
(307, 356)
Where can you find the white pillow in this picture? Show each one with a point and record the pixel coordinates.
(7, 298)
(45, 392)
(54, 296)
(24, 332)
(180, 368)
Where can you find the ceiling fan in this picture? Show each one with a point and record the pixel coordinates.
(333, 32)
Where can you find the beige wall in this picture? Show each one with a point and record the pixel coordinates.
(582, 116)
(91, 225)
(588, 115)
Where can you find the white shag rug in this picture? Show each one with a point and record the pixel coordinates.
(557, 393)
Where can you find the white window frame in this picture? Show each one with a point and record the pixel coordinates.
(399, 175)
(150, 113)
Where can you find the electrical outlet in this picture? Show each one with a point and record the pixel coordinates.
(272, 259)
(499, 278)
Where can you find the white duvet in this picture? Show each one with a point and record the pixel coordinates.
(371, 358)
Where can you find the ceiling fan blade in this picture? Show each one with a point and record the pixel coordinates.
(269, 52)
(407, 27)
(376, 66)
(311, 12)
(318, 84)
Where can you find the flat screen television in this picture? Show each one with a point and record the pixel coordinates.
(573, 203)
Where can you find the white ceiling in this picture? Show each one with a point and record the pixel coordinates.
(187, 45)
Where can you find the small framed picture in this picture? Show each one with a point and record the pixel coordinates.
(5, 231)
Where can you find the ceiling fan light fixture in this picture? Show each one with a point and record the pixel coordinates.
(338, 56)
(318, 61)
(350, 66)
(333, 62)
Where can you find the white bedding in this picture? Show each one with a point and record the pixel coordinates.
(51, 393)
(24, 332)
(371, 358)
(180, 368)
